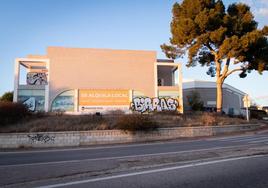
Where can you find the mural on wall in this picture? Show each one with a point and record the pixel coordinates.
(64, 102)
(34, 103)
(36, 78)
(43, 138)
(30, 103)
(147, 104)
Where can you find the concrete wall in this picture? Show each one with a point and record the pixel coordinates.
(85, 68)
(79, 138)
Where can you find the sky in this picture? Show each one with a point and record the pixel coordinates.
(30, 26)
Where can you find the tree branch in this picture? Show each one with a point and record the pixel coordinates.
(232, 71)
(226, 68)
(212, 50)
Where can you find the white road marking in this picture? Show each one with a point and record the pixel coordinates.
(232, 137)
(259, 141)
(149, 171)
(249, 139)
(236, 138)
(119, 157)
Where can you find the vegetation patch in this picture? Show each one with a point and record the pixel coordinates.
(12, 112)
(14, 117)
(136, 122)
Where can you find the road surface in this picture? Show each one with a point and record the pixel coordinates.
(230, 161)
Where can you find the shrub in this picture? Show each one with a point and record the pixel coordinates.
(12, 112)
(115, 112)
(136, 122)
(194, 101)
(209, 119)
(257, 114)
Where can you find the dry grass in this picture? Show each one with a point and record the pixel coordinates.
(115, 120)
(58, 123)
(210, 119)
(136, 122)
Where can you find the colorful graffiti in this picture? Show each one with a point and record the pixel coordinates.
(36, 78)
(147, 104)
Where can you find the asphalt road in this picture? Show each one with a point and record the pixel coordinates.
(139, 165)
(251, 172)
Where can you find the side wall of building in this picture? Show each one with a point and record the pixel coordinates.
(77, 68)
(232, 101)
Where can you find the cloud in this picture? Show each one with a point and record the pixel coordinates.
(259, 7)
(264, 1)
(262, 11)
(248, 2)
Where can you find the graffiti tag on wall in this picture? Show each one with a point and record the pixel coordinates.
(36, 78)
(147, 104)
(43, 138)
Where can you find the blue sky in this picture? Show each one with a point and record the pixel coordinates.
(29, 26)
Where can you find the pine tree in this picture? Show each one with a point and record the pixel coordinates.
(215, 37)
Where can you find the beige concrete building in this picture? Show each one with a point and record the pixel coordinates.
(96, 80)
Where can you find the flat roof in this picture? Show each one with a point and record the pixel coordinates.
(191, 83)
(165, 60)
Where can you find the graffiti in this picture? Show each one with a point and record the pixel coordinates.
(30, 103)
(36, 78)
(146, 104)
(41, 138)
(63, 103)
(34, 103)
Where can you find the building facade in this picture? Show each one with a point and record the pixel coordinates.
(81, 80)
(232, 97)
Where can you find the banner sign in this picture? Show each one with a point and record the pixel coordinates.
(89, 97)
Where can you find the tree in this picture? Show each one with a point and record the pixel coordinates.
(215, 37)
(194, 101)
(8, 96)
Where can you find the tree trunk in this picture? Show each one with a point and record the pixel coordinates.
(219, 96)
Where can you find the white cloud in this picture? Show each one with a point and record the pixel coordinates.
(248, 2)
(262, 11)
(258, 7)
(264, 1)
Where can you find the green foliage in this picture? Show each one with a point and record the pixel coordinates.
(194, 101)
(213, 36)
(8, 96)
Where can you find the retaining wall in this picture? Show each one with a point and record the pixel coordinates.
(80, 138)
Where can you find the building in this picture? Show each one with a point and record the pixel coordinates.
(82, 80)
(232, 97)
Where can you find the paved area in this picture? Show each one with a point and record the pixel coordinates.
(61, 167)
(235, 173)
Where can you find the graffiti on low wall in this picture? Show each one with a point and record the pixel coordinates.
(147, 104)
(42, 138)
